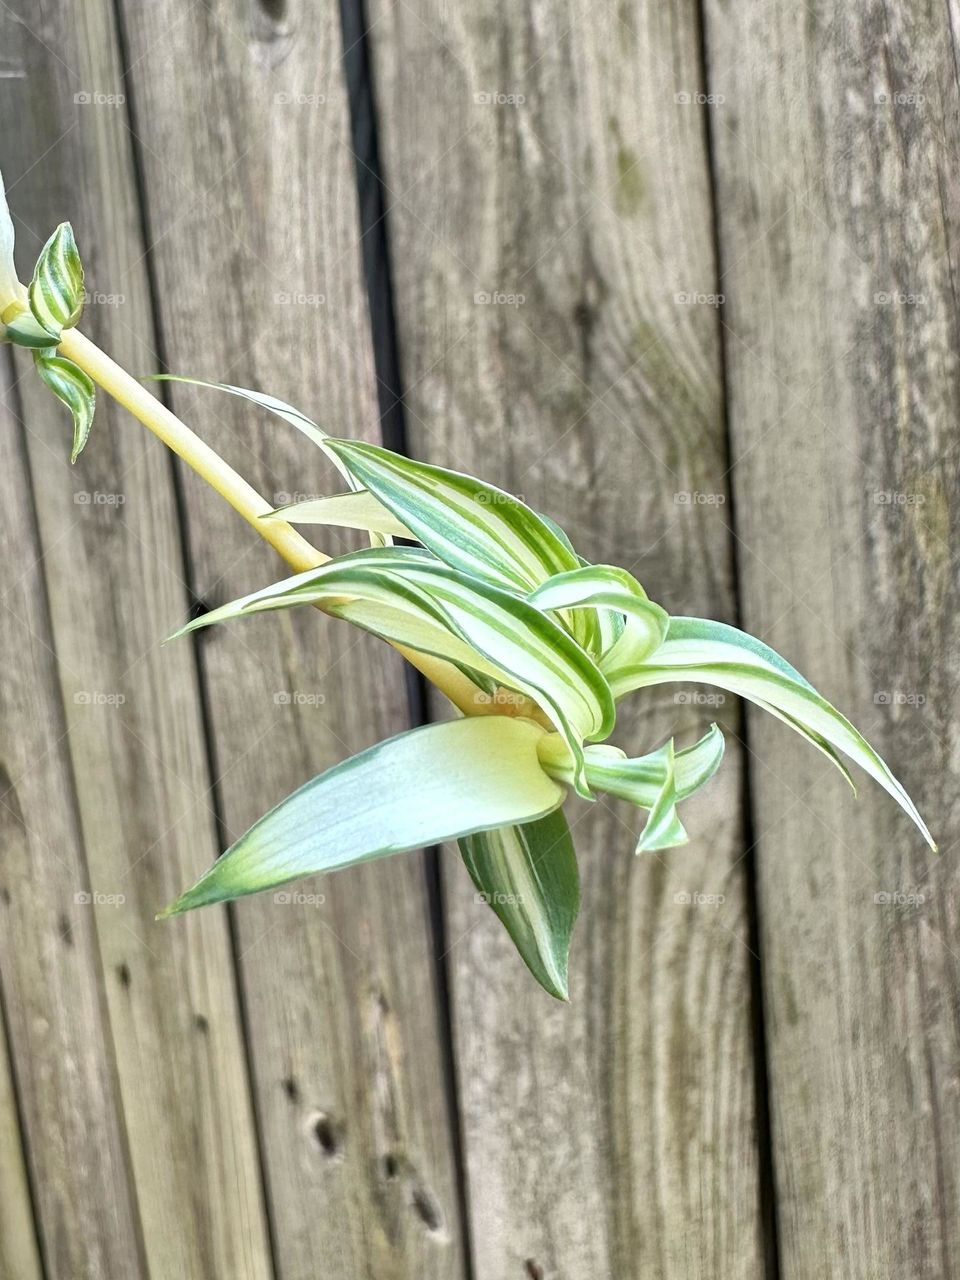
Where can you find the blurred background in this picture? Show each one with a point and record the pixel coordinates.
(682, 275)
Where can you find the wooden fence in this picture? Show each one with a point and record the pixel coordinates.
(688, 280)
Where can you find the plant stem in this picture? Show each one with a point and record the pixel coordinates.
(299, 554)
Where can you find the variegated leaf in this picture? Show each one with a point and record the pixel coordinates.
(71, 385)
(436, 783)
(56, 290)
(707, 652)
(612, 590)
(528, 874)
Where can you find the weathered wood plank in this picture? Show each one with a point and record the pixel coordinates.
(254, 226)
(19, 1256)
(838, 227)
(113, 567)
(48, 948)
(529, 154)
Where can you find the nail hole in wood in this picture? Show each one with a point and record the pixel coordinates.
(65, 929)
(533, 1271)
(427, 1209)
(275, 10)
(326, 1134)
(289, 1087)
(201, 1024)
(123, 974)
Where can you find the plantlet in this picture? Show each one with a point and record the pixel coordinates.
(533, 647)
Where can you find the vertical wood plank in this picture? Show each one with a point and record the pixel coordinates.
(112, 562)
(548, 201)
(837, 156)
(253, 218)
(19, 1256)
(49, 961)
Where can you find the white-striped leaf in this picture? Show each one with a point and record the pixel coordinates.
(614, 591)
(404, 595)
(707, 652)
(293, 417)
(11, 289)
(528, 874)
(71, 385)
(656, 781)
(26, 331)
(56, 290)
(356, 510)
(468, 524)
(437, 783)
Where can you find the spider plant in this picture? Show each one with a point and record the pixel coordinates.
(533, 646)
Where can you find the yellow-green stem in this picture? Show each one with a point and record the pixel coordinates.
(299, 554)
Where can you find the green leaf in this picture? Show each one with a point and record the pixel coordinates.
(468, 524)
(356, 510)
(707, 652)
(656, 781)
(26, 331)
(436, 783)
(615, 591)
(528, 874)
(11, 289)
(404, 595)
(293, 417)
(56, 291)
(75, 389)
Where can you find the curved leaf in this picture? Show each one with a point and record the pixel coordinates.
(404, 595)
(468, 524)
(615, 591)
(71, 385)
(528, 874)
(436, 783)
(56, 290)
(713, 653)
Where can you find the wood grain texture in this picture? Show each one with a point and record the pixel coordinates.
(19, 1255)
(113, 566)
(838, 228)
(49, 960)
(547, 202)
(253, 223)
